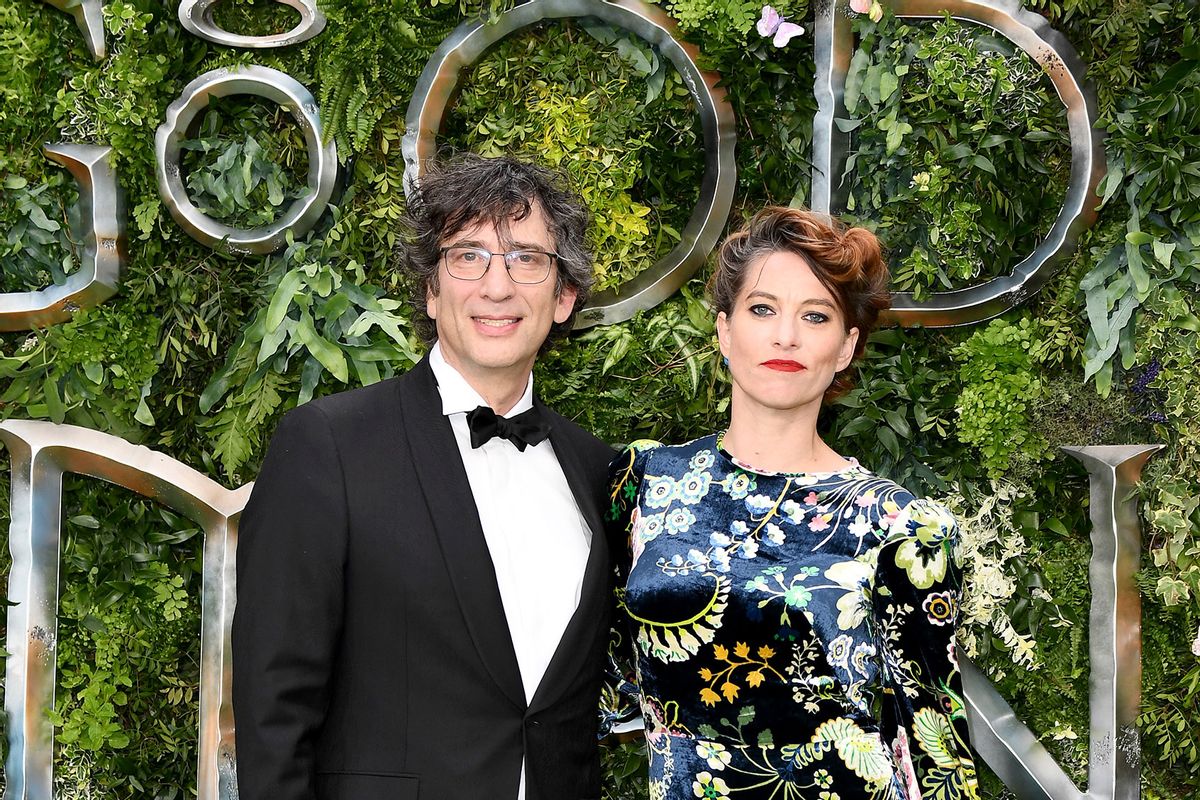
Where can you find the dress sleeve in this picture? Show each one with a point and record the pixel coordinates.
(916, 599)
(620, 709)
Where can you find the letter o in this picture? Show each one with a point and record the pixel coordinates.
(1033, 34)
(196, 17)
(273, 85)
(464, 46)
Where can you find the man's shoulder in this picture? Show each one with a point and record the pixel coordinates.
(353, 407)
(580, 437)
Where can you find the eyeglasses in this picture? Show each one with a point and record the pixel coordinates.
(524, 266)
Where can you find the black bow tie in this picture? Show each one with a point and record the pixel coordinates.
(524, 429)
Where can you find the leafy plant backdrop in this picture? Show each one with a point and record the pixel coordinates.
(959, 162)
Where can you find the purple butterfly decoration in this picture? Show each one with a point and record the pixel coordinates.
(771, 24)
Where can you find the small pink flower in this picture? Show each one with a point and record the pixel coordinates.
(811, 498)
(866, 500)
(819, 523)
(860, 6)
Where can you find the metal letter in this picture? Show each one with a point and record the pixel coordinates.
(102, 220)
(41, 453)
(271, 84)
(1033, 34)
(90, 19)
(467, 43)
(1115, 649)
(197, 18)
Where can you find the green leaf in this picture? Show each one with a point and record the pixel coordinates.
(898, 423)
(854, 80)
(888, 83)
(54, 404)
(1163, 252)
(282, 299)
(888, 438)
(324, 351)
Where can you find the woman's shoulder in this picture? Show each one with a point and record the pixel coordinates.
(900, 513)
(639, 455)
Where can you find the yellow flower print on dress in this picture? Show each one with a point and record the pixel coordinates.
(710, 788)
(923, 554)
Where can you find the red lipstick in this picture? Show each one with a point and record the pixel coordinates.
(783, 365)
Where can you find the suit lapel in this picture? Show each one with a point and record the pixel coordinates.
(456, 523)
(573, 649)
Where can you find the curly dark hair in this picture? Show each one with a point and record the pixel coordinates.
(455, 194)
(847, 261)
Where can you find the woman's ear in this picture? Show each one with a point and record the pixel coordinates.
(847, 353)
(723, 332)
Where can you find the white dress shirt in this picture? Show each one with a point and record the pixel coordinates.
(536, 535)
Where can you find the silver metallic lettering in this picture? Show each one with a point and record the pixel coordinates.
(41, 453)
(1033, 34)
(197, 18)
(273, 85)
(102, 223)
(470, 40)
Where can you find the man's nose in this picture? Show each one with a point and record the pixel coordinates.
(496, 283)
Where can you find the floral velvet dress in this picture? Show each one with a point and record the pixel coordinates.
(792, 634)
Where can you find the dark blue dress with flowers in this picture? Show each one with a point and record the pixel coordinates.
(792, 634)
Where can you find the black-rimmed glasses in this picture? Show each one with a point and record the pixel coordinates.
(524, 266)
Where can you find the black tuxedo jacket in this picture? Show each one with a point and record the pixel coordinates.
(371, 655)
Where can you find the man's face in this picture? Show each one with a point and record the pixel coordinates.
(491, 329)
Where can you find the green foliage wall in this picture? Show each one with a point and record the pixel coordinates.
(959, 161)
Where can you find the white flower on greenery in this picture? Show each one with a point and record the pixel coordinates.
(715, 754)
(1196, 644)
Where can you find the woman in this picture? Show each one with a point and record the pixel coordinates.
(792, 614)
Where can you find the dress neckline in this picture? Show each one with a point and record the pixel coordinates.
(852, 467)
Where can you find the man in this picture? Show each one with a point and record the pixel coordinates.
(422, 609)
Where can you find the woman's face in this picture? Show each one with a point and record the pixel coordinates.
(785, 337)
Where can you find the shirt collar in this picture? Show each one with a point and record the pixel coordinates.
(458, 397)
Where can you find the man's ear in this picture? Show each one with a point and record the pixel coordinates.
(430, 301)
(565, 303)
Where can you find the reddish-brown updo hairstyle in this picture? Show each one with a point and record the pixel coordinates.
(848, 262)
